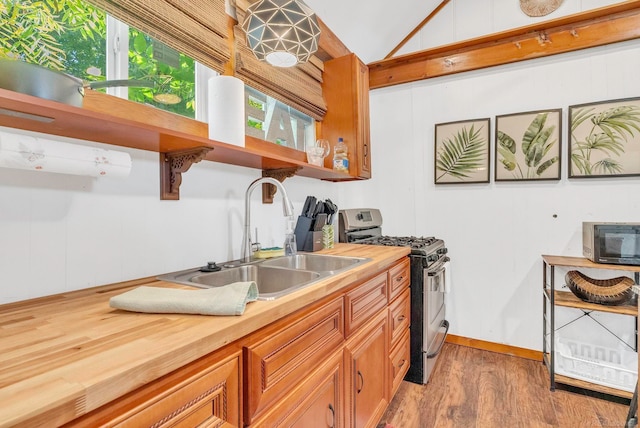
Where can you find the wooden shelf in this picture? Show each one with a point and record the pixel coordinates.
(581, 262)
(566, 380)
(111, 120)
(569, 300)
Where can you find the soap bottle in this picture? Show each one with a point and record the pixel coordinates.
(340, 156)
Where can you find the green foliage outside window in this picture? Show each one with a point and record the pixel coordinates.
(174, 87)
(70, 36)
(58, 34)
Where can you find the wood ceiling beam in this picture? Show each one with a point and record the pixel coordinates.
(424, 22)
(330, 43)
(597, 27)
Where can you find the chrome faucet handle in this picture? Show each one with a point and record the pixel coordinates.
(255, 245)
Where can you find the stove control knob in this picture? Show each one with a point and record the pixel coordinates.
(433, 258)
(443, 250)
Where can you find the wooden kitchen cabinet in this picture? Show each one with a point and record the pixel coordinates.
(399, 316)
(316, 402)
(364, 301)
(399, 278)
(553, 298)
(204, 393)
(345, 88)
(399, 323)
(367, 378)
(278, 358)
(400, 359)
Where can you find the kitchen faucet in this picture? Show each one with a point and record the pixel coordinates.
(287, 208)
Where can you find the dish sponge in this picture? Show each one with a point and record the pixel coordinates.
(266, 253)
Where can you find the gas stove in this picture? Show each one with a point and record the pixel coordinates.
(429, 272)
(364, 226)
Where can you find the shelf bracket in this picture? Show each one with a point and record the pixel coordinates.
(269, 190)
(172, 165)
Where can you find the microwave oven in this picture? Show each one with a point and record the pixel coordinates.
(614, 243)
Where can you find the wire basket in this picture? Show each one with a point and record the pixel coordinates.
(615, 368)
(614, 291)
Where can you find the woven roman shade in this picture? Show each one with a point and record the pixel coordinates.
(299, 87)
(197, 28)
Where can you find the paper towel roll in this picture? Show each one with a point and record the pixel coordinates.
(38, 154)
(226, 110)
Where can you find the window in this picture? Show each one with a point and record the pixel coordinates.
(75, 37)
(271, 120)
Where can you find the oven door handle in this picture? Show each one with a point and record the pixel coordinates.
(434, 354)
(438, 267)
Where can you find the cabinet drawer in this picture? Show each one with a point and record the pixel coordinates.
(364, 301)
(204, 393)
(400, 360)
(400, 316)
(276, 364)
(399, 278)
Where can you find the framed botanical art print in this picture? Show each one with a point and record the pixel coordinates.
(604, 139)
(462, 152)
(528, 146)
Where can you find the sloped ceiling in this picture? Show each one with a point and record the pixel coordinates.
(372, 28)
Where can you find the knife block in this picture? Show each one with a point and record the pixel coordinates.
(307, 239)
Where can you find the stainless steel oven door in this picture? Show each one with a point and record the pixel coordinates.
(436, 326)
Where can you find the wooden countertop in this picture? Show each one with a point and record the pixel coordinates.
(67, 354)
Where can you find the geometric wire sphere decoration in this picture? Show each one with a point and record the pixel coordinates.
(282, 32)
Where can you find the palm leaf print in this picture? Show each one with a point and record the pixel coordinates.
(600, 150)
(461, 155)
(535, 145)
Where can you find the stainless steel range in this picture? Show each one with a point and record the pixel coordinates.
(429, 265)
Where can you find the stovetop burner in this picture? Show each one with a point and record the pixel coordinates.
(402, 241)
(419, 245)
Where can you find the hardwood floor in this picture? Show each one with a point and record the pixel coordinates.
(474, 388)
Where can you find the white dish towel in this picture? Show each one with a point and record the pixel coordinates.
(227, 300)
(447, 277)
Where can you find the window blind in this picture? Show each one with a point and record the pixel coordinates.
(197, 28)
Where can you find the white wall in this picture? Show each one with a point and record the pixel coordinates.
(496, 232)
(466, 19)
(62, 232)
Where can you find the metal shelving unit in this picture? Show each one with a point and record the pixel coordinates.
(553, 298)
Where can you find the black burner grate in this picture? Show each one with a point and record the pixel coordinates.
(418, 245)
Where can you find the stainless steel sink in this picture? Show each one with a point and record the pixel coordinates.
(274, 277)
(314, 262)
(272, 282)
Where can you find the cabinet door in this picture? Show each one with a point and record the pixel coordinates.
(279, 358)
(363, 146)
(317, 402)
(399, 316)
(367, 381)
(400, 360)
(345, 88)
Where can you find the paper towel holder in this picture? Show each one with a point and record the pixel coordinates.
(172, 165)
